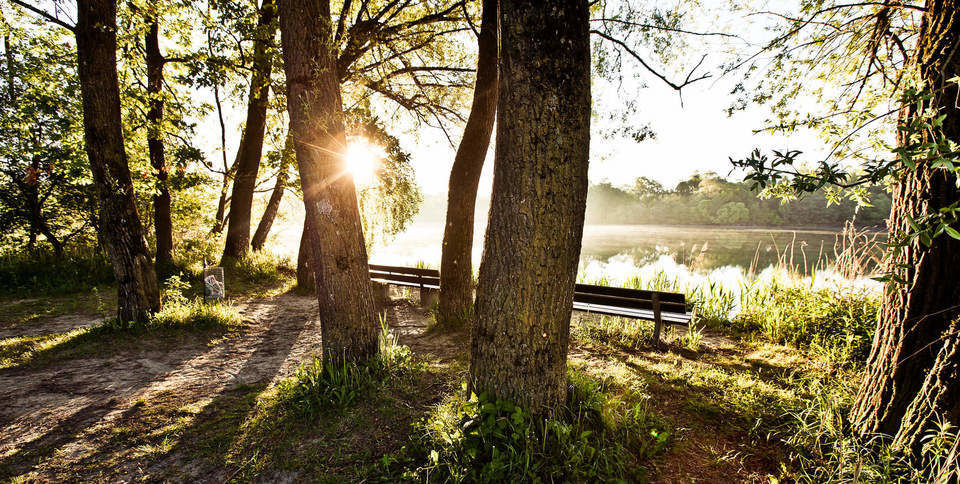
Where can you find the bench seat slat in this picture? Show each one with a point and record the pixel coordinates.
(624, 302)
(682, 319)
(401, 283)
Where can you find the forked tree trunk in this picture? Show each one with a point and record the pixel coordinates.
(527, 275)
(456, 264)
(162, 220)
(347, 315)
(251, 143)
(121, 232)
(273, 205)
(913, 372)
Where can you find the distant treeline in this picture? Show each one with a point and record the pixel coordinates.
(708, 199)
(703, 199)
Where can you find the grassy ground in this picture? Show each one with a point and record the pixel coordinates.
(201, 395)
(706, 403)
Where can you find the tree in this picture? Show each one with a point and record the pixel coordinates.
(912, 378)
(528, 270)
(339, 257)
(120, 230)
(913, 372)
(251, 143)
(162, 218)
(456, 265)
(44, 190)
(273, 205)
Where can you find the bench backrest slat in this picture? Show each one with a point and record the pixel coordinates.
(405, 270)
(414, 279)
(665, 297)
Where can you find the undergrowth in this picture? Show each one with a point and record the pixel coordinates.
(24, 274)
(317, 387)
(836, 325)
(599, 435)
(824, 449)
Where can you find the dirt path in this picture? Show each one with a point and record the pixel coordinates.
(60, 409)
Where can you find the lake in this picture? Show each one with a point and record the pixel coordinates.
(694, 248)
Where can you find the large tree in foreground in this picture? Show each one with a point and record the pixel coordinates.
(913, 372)
(339, 256)
(528, 271)
(456, 264)
(247, 164)
(120, 230)
(912, 380)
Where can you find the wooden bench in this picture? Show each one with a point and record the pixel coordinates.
(659, 307)
(427, 280)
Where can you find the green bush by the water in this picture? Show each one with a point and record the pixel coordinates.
(833, 323)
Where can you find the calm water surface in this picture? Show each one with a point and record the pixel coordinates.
(698, 249)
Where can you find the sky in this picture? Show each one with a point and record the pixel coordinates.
(696, 135)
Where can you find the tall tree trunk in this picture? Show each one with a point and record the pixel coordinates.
(527, 275)
(347, 315)
(121, 232)
(162, 220)
(456, 265)
(251, 144)
(913, 372)
(273, 206)
(305, 278)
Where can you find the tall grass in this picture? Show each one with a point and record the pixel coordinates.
(824, 450)
(34, 274)
(831, 312)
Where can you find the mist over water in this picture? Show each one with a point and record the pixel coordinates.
(622, 249)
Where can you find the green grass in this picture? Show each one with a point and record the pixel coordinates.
(599, 435)
(24, 275)
(109, 336)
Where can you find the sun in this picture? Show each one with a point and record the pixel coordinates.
(363, 159)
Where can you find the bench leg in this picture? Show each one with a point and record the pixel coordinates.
(429, 297)
(381, 293)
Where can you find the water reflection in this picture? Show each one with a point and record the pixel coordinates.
(698, 249)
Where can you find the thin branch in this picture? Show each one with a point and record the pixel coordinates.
(678, 87)
(45, 15)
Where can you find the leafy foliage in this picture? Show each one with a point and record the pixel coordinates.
(595, 437)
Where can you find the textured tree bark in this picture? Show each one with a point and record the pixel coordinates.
(305, 279)
(273, 205)
(527, 275)
(251, 144)
(162, 220)
(347, 315)
(913, 371)
(120, 230)
(456, 264)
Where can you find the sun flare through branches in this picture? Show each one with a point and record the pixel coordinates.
(363, 160)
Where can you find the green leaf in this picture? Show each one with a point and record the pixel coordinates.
(952, 232)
